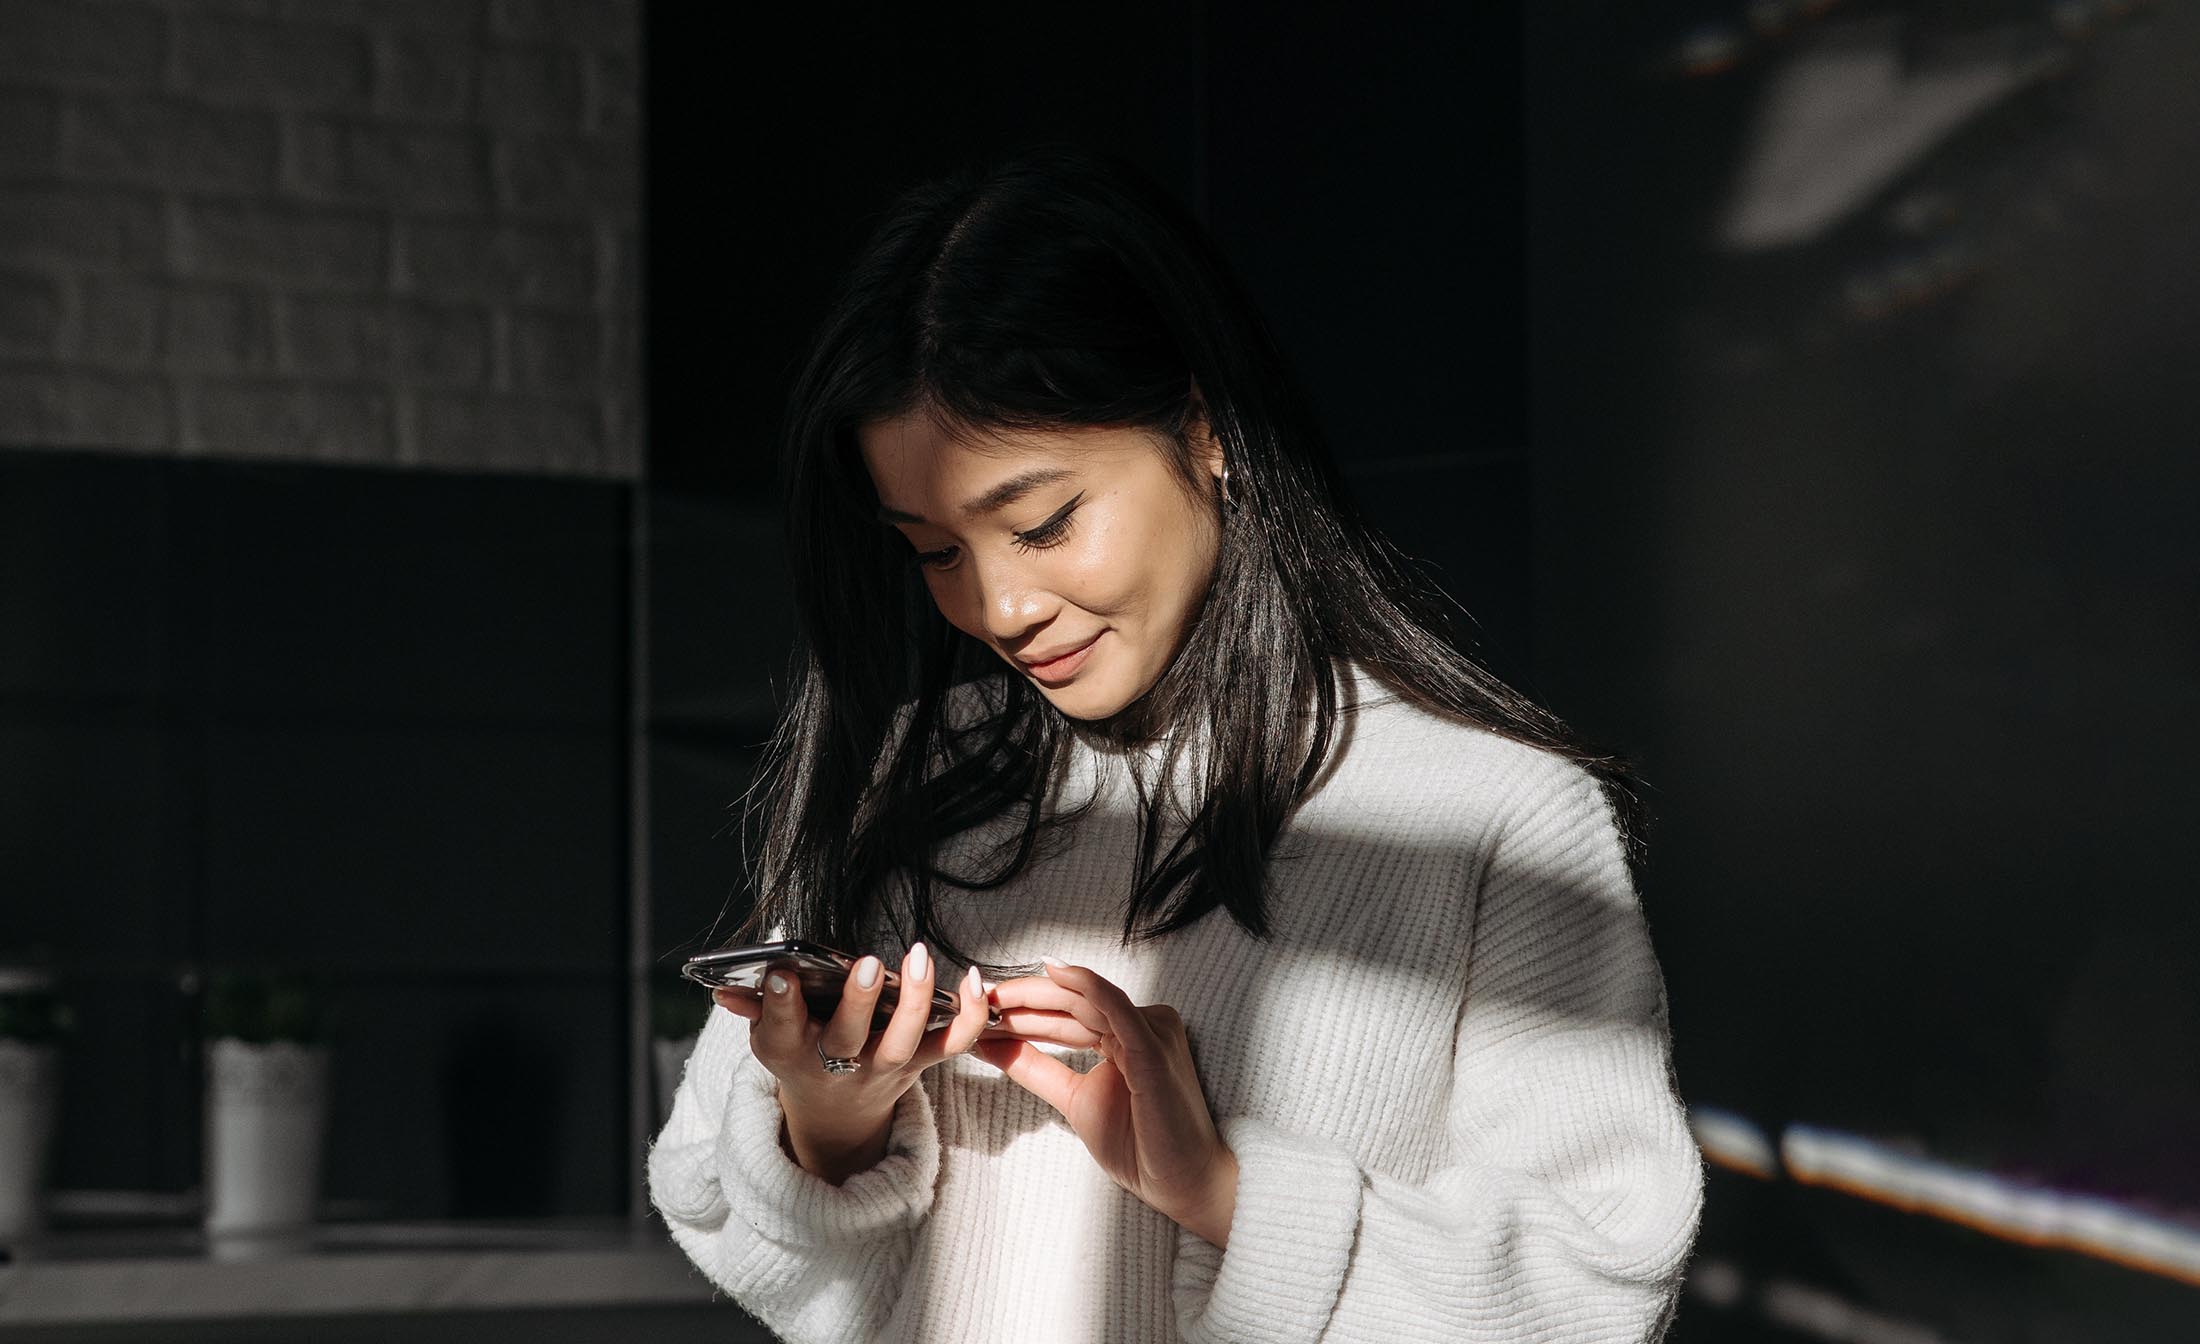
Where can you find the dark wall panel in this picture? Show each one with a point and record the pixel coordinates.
(756, 205)
(1363, 172)
(456, 847)
(367, 726)
(485, 1095)
(328, 594)
(90, 830)
(84, 554)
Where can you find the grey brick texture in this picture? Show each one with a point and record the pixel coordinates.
(418, 169)
(169, 142)
(30, 142)
(63, 43)
(30, 309)
(272, 64)
(383, 232)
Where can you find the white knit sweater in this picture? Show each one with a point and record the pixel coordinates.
(1445, 1080)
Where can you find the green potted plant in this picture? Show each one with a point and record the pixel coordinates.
(267, 1064)
(33, 1020)
(677, 1009)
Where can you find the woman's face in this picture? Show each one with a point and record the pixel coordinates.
(1075, 554)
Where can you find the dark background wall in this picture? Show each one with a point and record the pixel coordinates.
(320, 395)
(365, 726)
(1868, 546)
(1872, 546)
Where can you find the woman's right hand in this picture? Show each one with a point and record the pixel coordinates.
(833, 1118)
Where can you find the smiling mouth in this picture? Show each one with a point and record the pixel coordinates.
(1060, 665)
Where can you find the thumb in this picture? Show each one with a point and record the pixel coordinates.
(1034, 1070)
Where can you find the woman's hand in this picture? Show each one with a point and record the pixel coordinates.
(837, 1123)
(1140, 1110)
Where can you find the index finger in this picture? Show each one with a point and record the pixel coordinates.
(1037, 991)
(1122, 1016)
(738, 1002)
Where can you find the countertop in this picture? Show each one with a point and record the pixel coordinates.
(83, 1276)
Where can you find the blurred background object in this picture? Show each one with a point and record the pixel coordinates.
(266, 1113)
(32, 1023)
(1792, 391)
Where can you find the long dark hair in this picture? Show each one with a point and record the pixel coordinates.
(1060, 288)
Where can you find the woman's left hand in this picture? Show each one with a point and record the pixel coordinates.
(1140, 1110)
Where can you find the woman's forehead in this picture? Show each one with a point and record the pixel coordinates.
(917, 446)
(923, 432)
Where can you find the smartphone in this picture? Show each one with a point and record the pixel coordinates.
(822, 970)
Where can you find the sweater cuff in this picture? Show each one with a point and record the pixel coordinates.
(793, 1207)
(1291, 1233)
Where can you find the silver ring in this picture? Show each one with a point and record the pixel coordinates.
(837, 1063)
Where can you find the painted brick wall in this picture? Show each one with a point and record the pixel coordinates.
(391, 232)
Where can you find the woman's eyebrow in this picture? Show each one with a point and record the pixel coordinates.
(999, 497)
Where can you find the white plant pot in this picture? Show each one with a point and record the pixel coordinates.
(30, 1094)
(266, 1114)
(672, 1056)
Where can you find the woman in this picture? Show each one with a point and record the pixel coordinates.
(1327, 1009)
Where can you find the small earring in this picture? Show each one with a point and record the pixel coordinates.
(1227, 502)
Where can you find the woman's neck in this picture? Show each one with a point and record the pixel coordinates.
(1137, 728)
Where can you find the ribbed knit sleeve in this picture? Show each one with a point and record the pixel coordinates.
(813, 1261)
(1571, 1189)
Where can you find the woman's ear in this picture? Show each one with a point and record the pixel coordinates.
(1200, 434)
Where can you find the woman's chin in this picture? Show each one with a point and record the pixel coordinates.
(1120, 721)
(1084, 703)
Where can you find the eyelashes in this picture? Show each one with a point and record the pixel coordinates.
(1051, 533)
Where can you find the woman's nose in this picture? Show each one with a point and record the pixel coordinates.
(1009, 603)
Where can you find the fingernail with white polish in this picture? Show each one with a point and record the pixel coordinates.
(776, 982)
(867, 972)
(917, 960)
(1054, 961)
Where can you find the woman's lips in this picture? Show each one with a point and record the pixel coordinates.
(1064, 667)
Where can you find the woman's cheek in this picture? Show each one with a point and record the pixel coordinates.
(1098, 580)
(1101, 573)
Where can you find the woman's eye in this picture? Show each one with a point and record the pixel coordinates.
(1052, 532)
